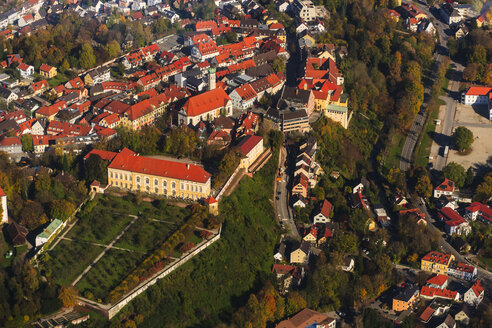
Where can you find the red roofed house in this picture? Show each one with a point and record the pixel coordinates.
(11, 145)
(300, 185)
(310, 235)
(25, 70)
(204, 51)
(49, 112)
(47, 71)
(144, 112)
(431, 292)
(3, 204)
(323, 216)
(462, 271)
(436, 262)
(213, 205)
(476, 95)
(288, 275)
(110, 121)
(475, 294)
(205, 25)
(453, 222)
(131, 171)
(74, 83)
(479, 211)
(205, 107)
(438, 281)
(308, 318)
(447, 188)
(39, 87)
(251, 147)
(103, 154)
(243, 97)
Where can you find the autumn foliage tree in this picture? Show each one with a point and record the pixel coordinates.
(68, 295)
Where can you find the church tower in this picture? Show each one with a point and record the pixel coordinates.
(211, 78)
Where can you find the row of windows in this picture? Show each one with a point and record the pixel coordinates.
(156, 190)
(187, 186)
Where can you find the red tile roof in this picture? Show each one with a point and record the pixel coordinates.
(111, 119)
(478, 91)
(9, 141)
(130, 161)
(446, 185)
(326, 208)
(460, 266)
(477, 288)
(427, 314)
(206, 102)
(75, 83)
(36, 86)
(248, 143)
(205, 25)
(23, 67)
(146, 106)
(437, 257)
(2, 193)
(45, 68)
(246, 92)
(104, 154)
(438, 280)
(438, 292)
(210, 200)
(451, 217)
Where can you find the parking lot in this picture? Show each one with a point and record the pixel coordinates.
(474, 118)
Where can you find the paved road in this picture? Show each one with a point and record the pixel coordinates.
(418, 124)
(282, 208)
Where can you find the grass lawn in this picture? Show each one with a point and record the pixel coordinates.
(424, 147)
(393, 158)
(68, 259)
(144, 235)
(60, 78)
(111, 269)
(101, 224)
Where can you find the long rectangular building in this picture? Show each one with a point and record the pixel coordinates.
(128, 170)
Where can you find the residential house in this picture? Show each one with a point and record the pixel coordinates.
(300, 186)
(308, 318)
(39, 87)
(204, 51)
(304, 9)
(360, 201)
(447, 188)
(381, 216)
(406, 298)
(453, 222)
(462, 271)
(432, 292)
(3, 204)
(479, 211)
(438, 281)
(301, 254)
(311, 235)
(281, 254)
(360, 187)
(348, 264)
(98, 75)
(205, 107)
(17, 234)
(299, 201)
(475, 294)
(250, 147)
(447, 323)
(49, 232)
(476, 95)
(436, 262)
(449, 14)
(25, 70)
(7, 95)
(463, 317)
(47, 71)
(288, 275)
(323, 215)
(243, 97)
(11, 145)
(178, 179)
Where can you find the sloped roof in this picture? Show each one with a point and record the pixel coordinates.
(206, 102)
(248, 143)
(128, 160)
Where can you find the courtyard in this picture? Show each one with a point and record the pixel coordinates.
(475, 119)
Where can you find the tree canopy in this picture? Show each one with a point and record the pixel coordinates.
(463, 138)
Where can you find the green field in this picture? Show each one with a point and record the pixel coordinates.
(393, 158)
(69, 259)
(108, 272)
(145, 235)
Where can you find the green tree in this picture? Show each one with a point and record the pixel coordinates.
(86, 56)
(455, 172)
(68, 295)
(27, 144)
(424, 186)
(61, 209)
(113, 48)
(463, 138)
(278, 64)
(484, 189)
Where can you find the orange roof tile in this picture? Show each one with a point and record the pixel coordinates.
(128, 160)
(206, 102)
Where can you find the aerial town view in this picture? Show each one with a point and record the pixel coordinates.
(246, 163)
